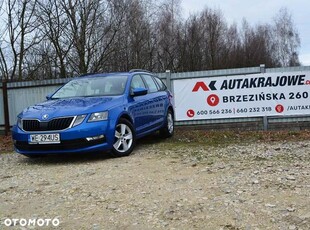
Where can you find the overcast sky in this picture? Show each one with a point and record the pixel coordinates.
(260, 12)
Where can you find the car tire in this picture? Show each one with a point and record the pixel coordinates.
(125, 139)
(168, 129)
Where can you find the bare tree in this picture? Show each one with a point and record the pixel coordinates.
(4, 72)
(138, 34)
(53, 23)
(232, 55)
(51, 38)
(214, 31)
(21, 36)
(109, 38)
(93, 25)
(167, 28)
(192, 45)
(286, 39)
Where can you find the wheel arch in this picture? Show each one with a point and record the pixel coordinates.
(127, 117)
(124, 119)
(170, 108)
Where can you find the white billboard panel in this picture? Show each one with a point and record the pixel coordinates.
(266, 94)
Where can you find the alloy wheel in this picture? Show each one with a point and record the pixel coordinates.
(123, 138)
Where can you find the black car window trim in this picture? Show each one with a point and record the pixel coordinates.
(157, 80)
(142, 76)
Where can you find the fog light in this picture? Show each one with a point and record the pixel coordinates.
(94, 138)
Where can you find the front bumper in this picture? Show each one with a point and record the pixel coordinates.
(72, 140)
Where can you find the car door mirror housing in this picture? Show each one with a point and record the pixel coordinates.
(139, 92)
(49, 96)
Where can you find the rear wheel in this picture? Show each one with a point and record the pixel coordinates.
(168, 129)
(124, 139)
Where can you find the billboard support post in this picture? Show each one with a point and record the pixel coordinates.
(5, 108)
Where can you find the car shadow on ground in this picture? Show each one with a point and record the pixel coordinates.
(151, 139)
(63, 159)
(83, 158)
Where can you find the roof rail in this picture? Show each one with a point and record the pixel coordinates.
(85, 74)
(139, 70)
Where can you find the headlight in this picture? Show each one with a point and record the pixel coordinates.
(19, 123)
(78, 120)
(100, 116)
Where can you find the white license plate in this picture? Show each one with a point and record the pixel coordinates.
(52, 138)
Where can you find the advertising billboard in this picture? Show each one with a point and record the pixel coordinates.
(254, 95)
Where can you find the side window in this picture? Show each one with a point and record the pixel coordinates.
(160, 83)
(137, 82)
(152, 87)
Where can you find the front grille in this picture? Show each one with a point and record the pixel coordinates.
(52, 125)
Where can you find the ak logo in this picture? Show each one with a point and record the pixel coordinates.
(200, 85)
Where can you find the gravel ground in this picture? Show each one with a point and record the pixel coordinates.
(250, 186)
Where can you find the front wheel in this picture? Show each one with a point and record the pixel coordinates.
(124, 139)
(168, 129)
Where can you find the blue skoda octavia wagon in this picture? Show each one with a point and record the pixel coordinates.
(97, 112)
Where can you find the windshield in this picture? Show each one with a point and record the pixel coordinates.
(92, 86)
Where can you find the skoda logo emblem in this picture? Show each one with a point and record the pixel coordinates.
(45, 116)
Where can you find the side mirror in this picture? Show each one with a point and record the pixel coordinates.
(49, 96)
(139, 92)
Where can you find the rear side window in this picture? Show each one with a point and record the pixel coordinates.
(151, 85)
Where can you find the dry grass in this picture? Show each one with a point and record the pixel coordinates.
(228, 137)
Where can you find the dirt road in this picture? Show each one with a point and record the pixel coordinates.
(162, 186)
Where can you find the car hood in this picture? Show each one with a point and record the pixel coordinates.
(70, 107)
